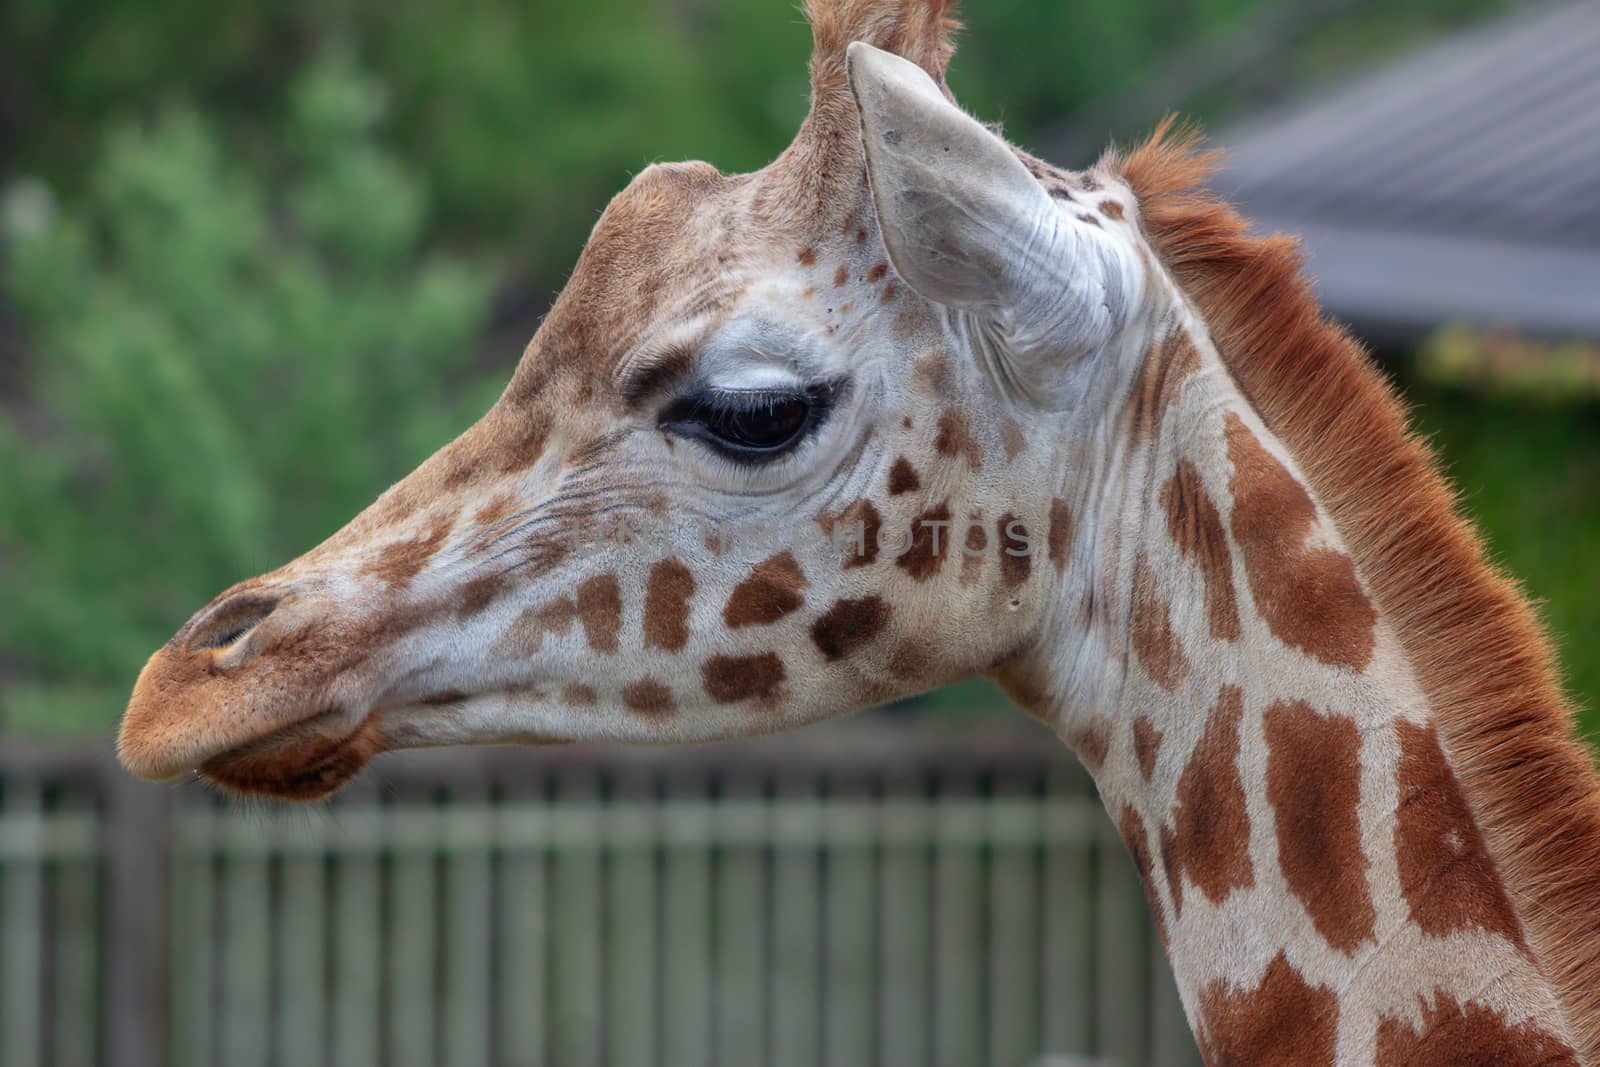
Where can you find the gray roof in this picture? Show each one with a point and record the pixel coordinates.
(1460, 184)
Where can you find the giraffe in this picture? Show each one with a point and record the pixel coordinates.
(909, 405)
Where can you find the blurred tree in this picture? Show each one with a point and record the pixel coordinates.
(223, 375)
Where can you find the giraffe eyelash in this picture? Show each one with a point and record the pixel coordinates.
(751, 427)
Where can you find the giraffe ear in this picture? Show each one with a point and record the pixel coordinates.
(967, 226)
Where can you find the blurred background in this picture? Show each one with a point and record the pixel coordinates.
(259, 259)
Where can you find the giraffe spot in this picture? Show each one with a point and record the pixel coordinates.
(1137, 841)
(579, 695)
(861, 235)
(1309, 596)
(975, 542)
(525, 636)
(1084, 216)
(666, 605)
(1059, 537)
(910, 659)
(1167, 362)
(480, 592)
(848, 625)
(1089, 182)
(806, 256)
(1282, 1022)
(526, 444)
(648, 697)
(1091, 741)
(1146, 745)
(930, 537)
(887, 294)
(1154, 641)
(856, 528)
(932, 372)
(599, 605)
(498, 508)
(1474, 1036)
(771, 592)
(876, 274)
(401, 561)
(729, 679)
(1111, 209)
(955, 439)
(1016, 551)
(1011, 439)
(841, 276)
(1314, 788)
(903, 477)
(1210, 838)
(1447, 876)
(1196, 528)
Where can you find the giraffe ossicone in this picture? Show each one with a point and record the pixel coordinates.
(909, 405)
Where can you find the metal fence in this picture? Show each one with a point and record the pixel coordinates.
(847, 897)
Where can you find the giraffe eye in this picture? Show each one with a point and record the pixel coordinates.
(751, 426)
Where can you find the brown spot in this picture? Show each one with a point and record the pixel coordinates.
(1084, 216)
(1154, 641)
(579, 695)
(841, 276)
(1446, 874)
(806, 256)
(905, 421)
(808, 292)
(666, 605)
(930, 543)
(1283, 1022)
(482, 591)
(976, 540)
(648, 697)
(732, 678)
(910, 659)
(600, 611)
(1090, 740)
(1210, 840)
(401, 561)
(1111, 209)
(887, 294)
(848, 625)
(1011, 438)
(932, 371)
(1089, 182)
(855, 528)
(500, 506)
(1016, 551)
(861, 235)
(1314, 787)
(1146, 745)
(1309, 596)
(1137, 840)
(525, 636)
(955, 438)
(1166, 364)
(526, 445)
(876, 274)
(1059, 537)
(1476, 1036)
(771, 592)
(1196, 528)
(903, 477)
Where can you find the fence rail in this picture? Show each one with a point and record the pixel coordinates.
(853, 896)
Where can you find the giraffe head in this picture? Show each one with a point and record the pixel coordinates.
(785, 446)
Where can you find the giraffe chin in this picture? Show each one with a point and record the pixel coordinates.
(302, 763)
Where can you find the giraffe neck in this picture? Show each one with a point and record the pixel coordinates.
(1319, 880)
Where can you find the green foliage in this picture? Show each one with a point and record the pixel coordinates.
(225, 372)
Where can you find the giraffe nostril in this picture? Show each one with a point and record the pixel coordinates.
(229, 621)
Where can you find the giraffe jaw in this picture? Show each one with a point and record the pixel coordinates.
(303, 762)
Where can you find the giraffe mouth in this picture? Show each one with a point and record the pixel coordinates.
(303, 762)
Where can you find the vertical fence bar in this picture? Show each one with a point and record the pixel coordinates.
(21, 916)
(137, 823)
(848, 978)
(575, 998)
(77, 1014)
(796, 960)
(413, 956)
(302, 959)
(247, 947)
(686, 929)
(468, 896)
(906, 931)
(740, 936)
(523, 906)
(1121, 986)
(1014, 931)
(958, 930)
(632, 933)
(193, 899)
(357, 980)
(1067, 1000)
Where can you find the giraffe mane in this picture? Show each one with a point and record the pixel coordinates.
(1479, 650)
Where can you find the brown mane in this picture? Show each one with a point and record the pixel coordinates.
(1479, 651)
